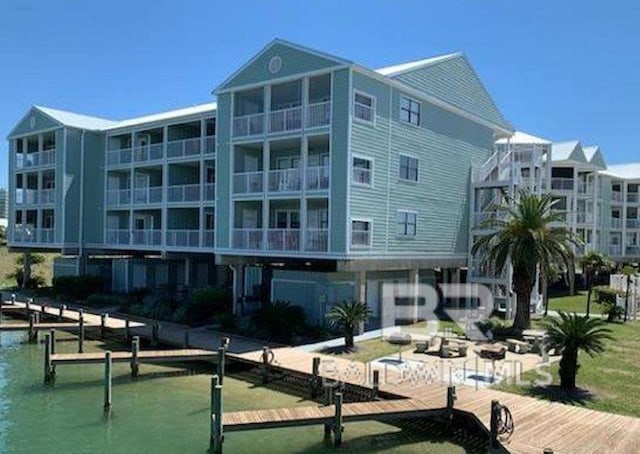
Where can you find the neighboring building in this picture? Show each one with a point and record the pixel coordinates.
(4, 207)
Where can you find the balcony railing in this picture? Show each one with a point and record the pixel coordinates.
(118, 237)
(184, 193)
(183, 238)
(248, 125)
(116, 197)
(615, 250)
(585, 188)
(210, 144)
(47, 196)
(147, 195)
(317, 178)
(247, 239)
(633, 250)
(284, 180)
(317, 240)
(285, 120)
(318, 114)
(118, 157)
(210, 191)
(633, 223)
(147, 237)
(247, 182)
(616, 223)
(182, 148)
(148, 153)
(584, 218)
(616, 196)
(36, 159)
(633, 197)
(283, 239)
(562, 184)
(24, 234)
(208, 238)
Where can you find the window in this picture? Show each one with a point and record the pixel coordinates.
(409, 110)
(363, 107)
(287, 219)
(362, 168)
(360, 233)
(408, 168)
(406, 223)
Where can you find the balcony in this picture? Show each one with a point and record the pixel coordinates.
(247, 182)
(210, 191)
(584, 218)
(147, 195)
(585, 188)
(318, 114)
(119, 157)
(184, 148)
(209, 144)
(148, 153)
(147, 237)
(317, 178)
(117, 197)
(285, 180)
(183, 193)
(248, 125)
(208, 238)
(317, 240)
(283, 239)
(118, 237)
(183, 238)
(633, 197)
(633, 250)
(616, 196)
(562, 184)
(33, 235)
(247, 239)
(633, 223)
(616, 223)
(36, 159)
(285, 120)
(615, 250)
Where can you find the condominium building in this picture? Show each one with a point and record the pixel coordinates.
(4, 206)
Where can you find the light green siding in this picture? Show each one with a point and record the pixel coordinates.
(455, 81)
(71, 187)
(42, 122)
(223, 170)
(93, 211)
(294, 61)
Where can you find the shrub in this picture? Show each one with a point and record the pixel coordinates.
(279, 321)
(495, 328)
(104, 300)
(77, 287)
(206, 303)
(606, 295)
(227, 321)
(612, 311)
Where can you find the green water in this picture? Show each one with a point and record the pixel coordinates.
(164, 411)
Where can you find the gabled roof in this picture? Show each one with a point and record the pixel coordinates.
(413, 65)
(568, 151)
(76, 120)
(177, 113)
(594, 156)
(629, 171)
(520, 137)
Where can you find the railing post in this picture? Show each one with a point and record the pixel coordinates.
(135, 350)
(337, 422)
(61, 310)
(107, 381)
(81, 331)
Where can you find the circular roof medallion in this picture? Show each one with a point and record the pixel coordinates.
(275, 64)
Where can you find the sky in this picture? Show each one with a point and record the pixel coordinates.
(561, 70)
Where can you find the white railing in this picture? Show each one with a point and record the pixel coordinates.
(208, 238)
(633, 223)
(318, 114)
(148, 153)
(317, 240)
(147, 195)
(26, 196)
(26, 234)
(481, 173)
(247, 182)
(209, 144)
(47, 196)
(182, 148)
(118, 236)
(616, 196)
(585, 188)
(615, 250)
(317, 178)
(283, 239)
(118, 157)
(285, 119)
(284, 180)
(183, 193)
(247, 239)
(183, 238)
(616, 223)
(117, 197)
(147, 237)
(210, 191)
(36, 159)
(584, 218)
(248, 125)
(633, 197)
(562, 184)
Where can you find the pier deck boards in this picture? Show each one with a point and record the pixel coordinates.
(148, 356)
(39, 326)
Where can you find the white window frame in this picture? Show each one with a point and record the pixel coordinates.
(411, 112)
(361, 246)
(360, 183)
(406, 224)
(403, 155)
(372, 107)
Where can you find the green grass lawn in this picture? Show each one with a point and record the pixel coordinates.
(8, 264)
(576, 303)
(608, 382)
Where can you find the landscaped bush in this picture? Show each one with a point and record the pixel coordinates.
(606, 295)
(77, 287)
(279, 321)
(105, 300)
(612, 311)
(156, 307)
(206, 303)
(495, 327)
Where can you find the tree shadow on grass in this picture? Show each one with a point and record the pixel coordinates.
(338, 350)
(555, 393)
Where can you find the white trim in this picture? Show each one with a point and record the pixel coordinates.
(374, 104)
(414, 100)
(371, 168)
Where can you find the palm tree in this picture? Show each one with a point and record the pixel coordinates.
(571, 333)
(629, 271)
(348, 316)
(593, 263)
(524, 238)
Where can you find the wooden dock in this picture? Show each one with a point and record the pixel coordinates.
(39, 326)
(144, 356)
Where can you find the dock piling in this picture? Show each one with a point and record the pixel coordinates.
(155, 328)
(48, 376)
(80, 331)
(127, 330)
(451, 398)
(220, 365)
(337, 422)
(33, 333)
(375, 388)
(315, 380)
(103, 324)
(107, 381)
(135, 363)
(61, 310)
(217, 435)
(13, 298)
(52, 336)
(265, 364)
(495, 416)
(28, 304)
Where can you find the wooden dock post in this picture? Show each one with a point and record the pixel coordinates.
(451, 398)
(52, 335)
(265, 364)
(103, 324)
(127, 330)
(217, 429)
(36, 316)
(13, 298)
(495, 416)
(135, 363)
(61, 310)
(47, 359)
(376, 384)
(28, 304)
(155, 329)
(315, 379)
(33, 333)
(186, 339)
(80, 331)
(220, 365)
(107, 381)
(337, 421)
